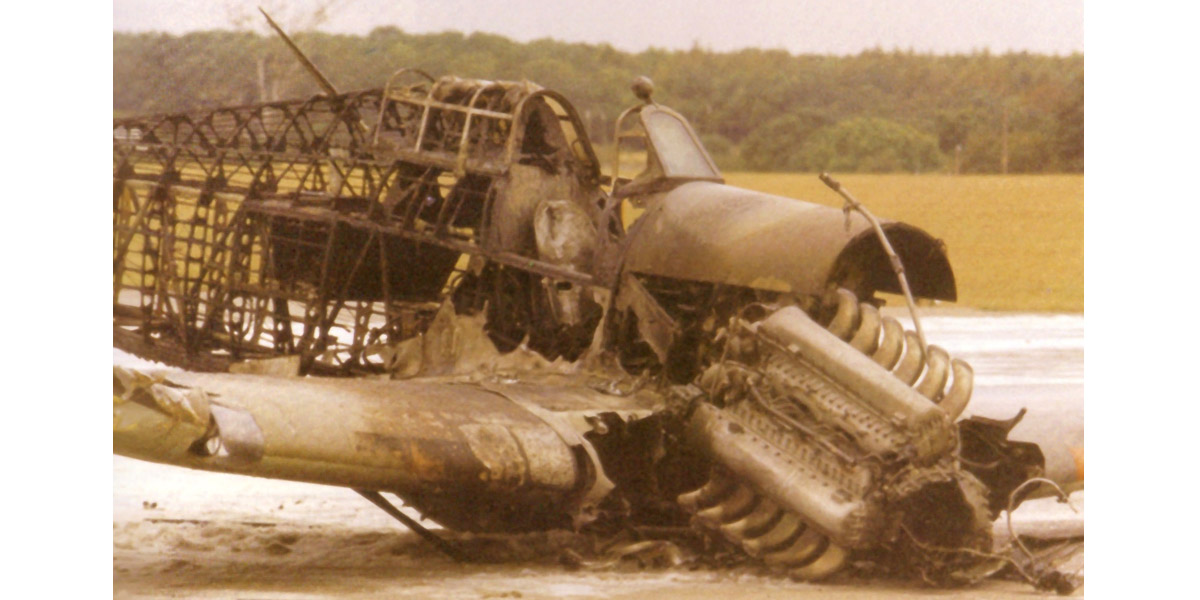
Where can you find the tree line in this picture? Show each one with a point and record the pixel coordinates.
(877, 111)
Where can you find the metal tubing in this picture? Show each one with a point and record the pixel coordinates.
(446, 547)
(897, 266)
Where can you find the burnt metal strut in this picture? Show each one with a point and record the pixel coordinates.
(446, 547)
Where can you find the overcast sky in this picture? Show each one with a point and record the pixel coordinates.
(800, 26)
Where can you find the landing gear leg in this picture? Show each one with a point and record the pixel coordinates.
(446, 547)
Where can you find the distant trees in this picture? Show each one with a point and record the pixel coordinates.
(777, 144)
(870, 145)
(1068, 133)
(755, 109)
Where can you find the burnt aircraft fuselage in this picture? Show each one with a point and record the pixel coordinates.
(341, 234)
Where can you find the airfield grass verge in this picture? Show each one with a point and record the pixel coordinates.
(1015, 241)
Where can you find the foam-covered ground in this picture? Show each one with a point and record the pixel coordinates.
(191, 534)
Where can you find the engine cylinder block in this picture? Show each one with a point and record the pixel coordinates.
(828, 438)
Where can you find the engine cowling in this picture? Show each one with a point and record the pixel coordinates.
(704, 231)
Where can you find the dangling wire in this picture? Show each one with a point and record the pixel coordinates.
(1063, 497)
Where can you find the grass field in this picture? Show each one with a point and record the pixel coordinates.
(1015, 241)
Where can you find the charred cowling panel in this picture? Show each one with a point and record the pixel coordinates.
(999, 462)
(703, 231)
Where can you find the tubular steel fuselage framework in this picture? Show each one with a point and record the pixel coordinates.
(321, 228)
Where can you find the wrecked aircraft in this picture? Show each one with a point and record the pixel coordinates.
(491, 344)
